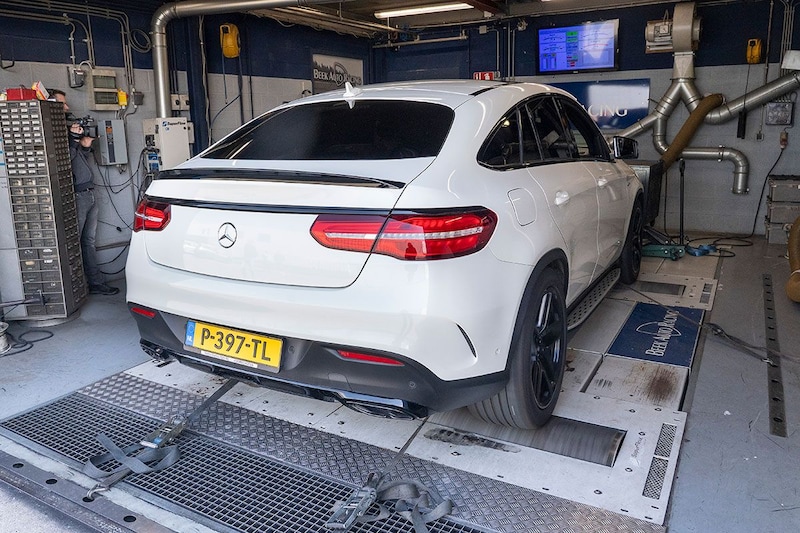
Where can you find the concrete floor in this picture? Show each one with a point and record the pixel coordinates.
(733, 476)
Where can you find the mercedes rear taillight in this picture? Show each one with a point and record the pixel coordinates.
(409, 236)
(151, 215)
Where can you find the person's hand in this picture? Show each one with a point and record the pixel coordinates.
(76, 128)
(86, 142)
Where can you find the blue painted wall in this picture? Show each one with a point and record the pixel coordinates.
(271, 49)
(268, 48)
(725, 30)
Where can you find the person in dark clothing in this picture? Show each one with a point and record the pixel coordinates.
(83, 165)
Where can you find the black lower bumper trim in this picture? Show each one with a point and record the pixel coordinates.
(311, 369)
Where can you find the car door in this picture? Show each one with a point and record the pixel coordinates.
(612, 182)
(570, 189)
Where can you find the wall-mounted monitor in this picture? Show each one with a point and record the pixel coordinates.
(591, 46)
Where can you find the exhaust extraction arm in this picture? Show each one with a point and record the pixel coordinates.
(683, 89)
(168, 12)
(689, 128)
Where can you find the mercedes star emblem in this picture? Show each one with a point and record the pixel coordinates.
(226, 235)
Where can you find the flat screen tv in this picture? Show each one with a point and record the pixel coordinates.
(591, 46)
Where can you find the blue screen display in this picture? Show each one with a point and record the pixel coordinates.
(589, 46)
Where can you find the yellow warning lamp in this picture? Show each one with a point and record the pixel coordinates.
(753, 51)
(229, 40)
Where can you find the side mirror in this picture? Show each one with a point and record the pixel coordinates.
(625, 147)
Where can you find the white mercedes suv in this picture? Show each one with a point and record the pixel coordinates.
(400, 247)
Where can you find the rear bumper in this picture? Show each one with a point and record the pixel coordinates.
(314, 369)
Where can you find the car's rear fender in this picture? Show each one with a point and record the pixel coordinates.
(554, 260)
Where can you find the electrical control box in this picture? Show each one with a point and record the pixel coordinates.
(113, 145)
(783, 206)
(101, 86)
(169, 138)
(779, 113)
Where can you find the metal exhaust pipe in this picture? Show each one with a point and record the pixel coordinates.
(755, 98)
(381, 407)
(379, 410)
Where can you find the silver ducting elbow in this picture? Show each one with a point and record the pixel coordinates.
(660, 135)
(741, 165)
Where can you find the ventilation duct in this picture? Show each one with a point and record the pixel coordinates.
(683, 89)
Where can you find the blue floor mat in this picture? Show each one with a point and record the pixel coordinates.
(659, 334)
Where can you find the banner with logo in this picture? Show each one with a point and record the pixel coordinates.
(613, 104)
(332, 72)
(659, 334)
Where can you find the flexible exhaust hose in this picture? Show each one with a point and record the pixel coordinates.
(689, 128)
(793, 285)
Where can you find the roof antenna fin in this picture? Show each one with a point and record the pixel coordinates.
(350, 93)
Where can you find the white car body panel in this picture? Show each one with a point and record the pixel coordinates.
(415, 315)
(571, 198)
(270, 247)
(614, 201)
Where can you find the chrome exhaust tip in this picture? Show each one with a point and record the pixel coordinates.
(381, 407)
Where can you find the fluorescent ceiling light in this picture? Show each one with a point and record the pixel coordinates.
(421, 10)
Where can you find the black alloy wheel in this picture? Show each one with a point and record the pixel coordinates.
(547, 351)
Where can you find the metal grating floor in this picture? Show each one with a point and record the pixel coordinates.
(242, 471)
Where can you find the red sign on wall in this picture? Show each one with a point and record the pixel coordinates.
(487, 75)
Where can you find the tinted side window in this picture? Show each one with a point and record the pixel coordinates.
(531, 149)
(555, 141)
(371, 129)
(588, 141)
(502, 147)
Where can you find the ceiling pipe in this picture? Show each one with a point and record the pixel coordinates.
(174, 10)
(398, 44)
(319, 19)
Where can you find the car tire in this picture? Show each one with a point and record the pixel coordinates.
(537, 359)
(630, 262)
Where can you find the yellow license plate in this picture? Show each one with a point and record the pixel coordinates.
(255, 351)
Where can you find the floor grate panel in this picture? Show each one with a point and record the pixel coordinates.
(248, 472)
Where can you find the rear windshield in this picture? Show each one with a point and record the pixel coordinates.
(371, 129)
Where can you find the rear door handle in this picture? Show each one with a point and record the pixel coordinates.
(562, 197)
